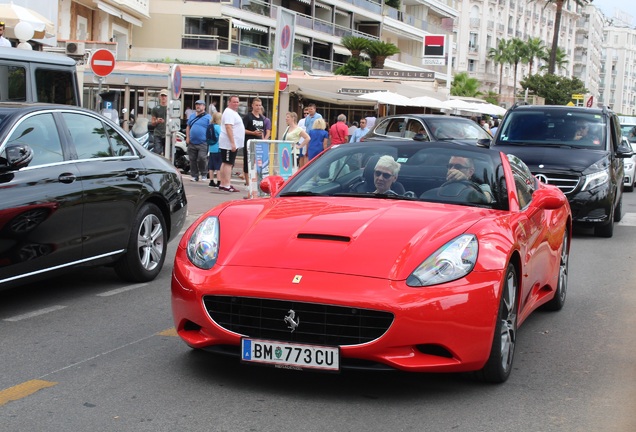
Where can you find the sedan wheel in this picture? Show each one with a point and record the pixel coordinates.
(561, 291)
(146, 247)
(499, 364)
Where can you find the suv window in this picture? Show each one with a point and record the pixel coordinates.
(555, 127)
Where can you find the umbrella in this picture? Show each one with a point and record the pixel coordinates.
(388, 98)
(460, 105)
(12, 14)
(427, 101)
(492, 109)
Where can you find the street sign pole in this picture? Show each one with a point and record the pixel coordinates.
(275, 107)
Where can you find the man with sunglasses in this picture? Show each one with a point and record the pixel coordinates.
(4, 42)
(462, 169)
(385, 174)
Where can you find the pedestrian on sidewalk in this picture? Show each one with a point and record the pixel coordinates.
(196, 140)
(231, 139)
(254, 123)
(214, 153)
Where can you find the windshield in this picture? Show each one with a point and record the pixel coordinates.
(446, 127)
(405, 171)
(554, 128)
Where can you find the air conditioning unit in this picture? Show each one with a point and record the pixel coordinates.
(75, 48)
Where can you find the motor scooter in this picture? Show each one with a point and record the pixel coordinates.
(181, 160)
(140, 132)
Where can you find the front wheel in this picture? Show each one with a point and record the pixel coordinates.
(499, 364)
(562, 286)
(146, 249)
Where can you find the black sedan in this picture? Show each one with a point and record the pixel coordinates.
(76, 190)
(426, 127)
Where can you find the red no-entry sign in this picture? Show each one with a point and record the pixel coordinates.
(102, 62)
(282, 81)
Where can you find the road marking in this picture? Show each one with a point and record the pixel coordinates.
(121, 290)
(34, 313)
(23, 390)
(170, 332)
(629, 219)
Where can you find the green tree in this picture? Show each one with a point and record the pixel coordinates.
(557, 90)
(516, 53)
(463, 85)
(379, 51)
(499, 55)
(561, 59)
(393, 3)
(355, 44)
(354, 67)
(535, 48)
(491, 97)
(557, 27)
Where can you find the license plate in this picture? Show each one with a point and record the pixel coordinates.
(286, 355)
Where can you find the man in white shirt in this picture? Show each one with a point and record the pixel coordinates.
(4, 42)
(232, 138)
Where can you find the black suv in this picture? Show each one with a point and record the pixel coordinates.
(575, 148)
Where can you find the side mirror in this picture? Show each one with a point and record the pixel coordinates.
(547, 199)
(271, 184)
(15, 157)
(624, 149)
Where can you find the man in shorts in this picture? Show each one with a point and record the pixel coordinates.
(232, 138)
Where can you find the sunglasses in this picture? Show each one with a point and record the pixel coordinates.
(383, 174)
(457, 166)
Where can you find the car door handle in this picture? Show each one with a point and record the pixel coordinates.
(132, 173)
(67, 178)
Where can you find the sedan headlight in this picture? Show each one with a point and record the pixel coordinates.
(203, 245)
(452, 261)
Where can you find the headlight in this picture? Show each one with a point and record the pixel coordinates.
(596, 179)
(452, 261)
(203, 245)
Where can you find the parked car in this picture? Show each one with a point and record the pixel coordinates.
(577, 149)
(77, 190)
(329, 274)
(426, 127)
(628, 129)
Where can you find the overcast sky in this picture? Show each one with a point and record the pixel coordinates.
(608, 7)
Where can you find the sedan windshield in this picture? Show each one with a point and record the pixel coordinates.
(439, 172)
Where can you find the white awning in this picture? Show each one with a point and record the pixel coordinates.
(341, 50)
(343, 13)
(324, 6)
(307, 2)
(119, 14)
(302, 38)
(248, 26)
(331, 97)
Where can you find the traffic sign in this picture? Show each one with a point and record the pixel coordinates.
(590, 102)
(578, 96)
(282, 81)
(102, 62)
(175, 79)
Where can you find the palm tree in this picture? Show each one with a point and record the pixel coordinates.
(463, 85)
(557, 27)
(379, 51)
(535, 48)
(560, 59)
(516, 52)
(355, 44)
(500, 56)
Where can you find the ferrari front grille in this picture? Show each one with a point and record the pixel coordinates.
(311, 322)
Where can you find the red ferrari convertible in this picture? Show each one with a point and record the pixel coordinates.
(417, 256)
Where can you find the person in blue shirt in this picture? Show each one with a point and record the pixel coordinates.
(312, 117)
(318, 139)
(360, 132)
(196, 140)
(214, 153)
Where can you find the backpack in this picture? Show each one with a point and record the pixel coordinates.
(210, 135)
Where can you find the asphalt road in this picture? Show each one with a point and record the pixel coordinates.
(88, 353)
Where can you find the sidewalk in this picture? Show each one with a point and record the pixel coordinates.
(202, 197)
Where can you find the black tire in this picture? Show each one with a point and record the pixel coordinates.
(499, 365)
(558, 301)
(618, 211)
(147, 246)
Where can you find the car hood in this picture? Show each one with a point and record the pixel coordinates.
(366, 237)
(571, 160)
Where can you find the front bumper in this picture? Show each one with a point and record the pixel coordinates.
(436, 329)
